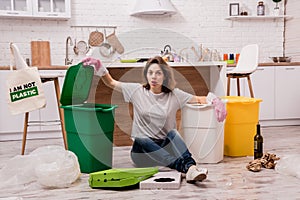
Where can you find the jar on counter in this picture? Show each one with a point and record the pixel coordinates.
(260, 8)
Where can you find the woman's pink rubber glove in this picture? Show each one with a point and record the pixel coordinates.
(220, 109)
(100, 70)
(219, 105)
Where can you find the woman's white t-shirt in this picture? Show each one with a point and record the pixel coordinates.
(154, 115)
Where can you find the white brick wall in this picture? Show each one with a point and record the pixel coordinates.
(197, 22)
(292, 41)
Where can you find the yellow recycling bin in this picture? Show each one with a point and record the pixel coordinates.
(240, 125)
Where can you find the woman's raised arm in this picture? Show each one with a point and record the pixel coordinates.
(102, 72)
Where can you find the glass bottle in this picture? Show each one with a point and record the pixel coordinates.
(258, 143)
(260, 8)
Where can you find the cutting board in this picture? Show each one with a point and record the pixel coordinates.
(40, 53)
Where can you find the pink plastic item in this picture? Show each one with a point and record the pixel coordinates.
(220, 109)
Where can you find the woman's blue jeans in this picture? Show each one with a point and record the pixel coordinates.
(171, 152)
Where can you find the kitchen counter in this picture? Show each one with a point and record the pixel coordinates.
(173, 64)
(130, 65)
(52, 67)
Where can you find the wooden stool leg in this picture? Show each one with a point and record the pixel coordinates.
(250, 86)
(25, 132)
(238, 86)
(61, 113)
(228, 86)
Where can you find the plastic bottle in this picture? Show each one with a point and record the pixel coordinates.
(260, 8)
(258, 143)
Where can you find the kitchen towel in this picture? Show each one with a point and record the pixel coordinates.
(24, 87)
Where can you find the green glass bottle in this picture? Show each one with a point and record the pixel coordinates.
(258, 143)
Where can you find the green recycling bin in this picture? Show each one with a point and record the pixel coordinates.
(89, 126)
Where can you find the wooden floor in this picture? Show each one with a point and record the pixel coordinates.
(226, 180)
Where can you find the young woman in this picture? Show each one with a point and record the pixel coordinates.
(156, 140)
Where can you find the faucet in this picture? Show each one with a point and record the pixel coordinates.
(67, 60)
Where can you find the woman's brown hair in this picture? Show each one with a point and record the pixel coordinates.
(169, 80)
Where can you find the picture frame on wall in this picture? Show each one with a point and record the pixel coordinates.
(234, 9)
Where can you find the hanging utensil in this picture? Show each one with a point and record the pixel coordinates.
(95, 38)
(105, 49)
(75, 49)
(82, 47)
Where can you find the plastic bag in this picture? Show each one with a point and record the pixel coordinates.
(17, 171)
(289, 165)
(51, 166)
(58, 167)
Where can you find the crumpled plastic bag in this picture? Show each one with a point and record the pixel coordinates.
(58, 167)
(51, 166)
(289, 165)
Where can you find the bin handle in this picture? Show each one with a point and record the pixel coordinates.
(99, 109)
(198, 105)
(106, 109)
(250, 102)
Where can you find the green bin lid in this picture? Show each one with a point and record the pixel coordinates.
(77, 84)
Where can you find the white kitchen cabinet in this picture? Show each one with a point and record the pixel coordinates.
(52, 8)
(287, 95)
(15, 8)
(45, 9)
(263, 84)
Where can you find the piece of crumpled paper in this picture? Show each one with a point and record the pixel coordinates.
(50, 166)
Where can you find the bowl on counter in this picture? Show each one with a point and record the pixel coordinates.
(278, 59)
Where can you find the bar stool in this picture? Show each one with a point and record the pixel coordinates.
(247, 64)
(46, 78)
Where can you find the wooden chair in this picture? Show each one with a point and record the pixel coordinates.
(247, 64)
(45, 78)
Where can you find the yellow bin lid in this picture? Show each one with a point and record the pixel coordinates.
(241, 99)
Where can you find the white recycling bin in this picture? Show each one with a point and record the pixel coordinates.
(202, 133)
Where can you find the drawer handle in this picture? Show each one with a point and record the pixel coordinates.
(52, 14)
(290, 68)
(13, 13)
